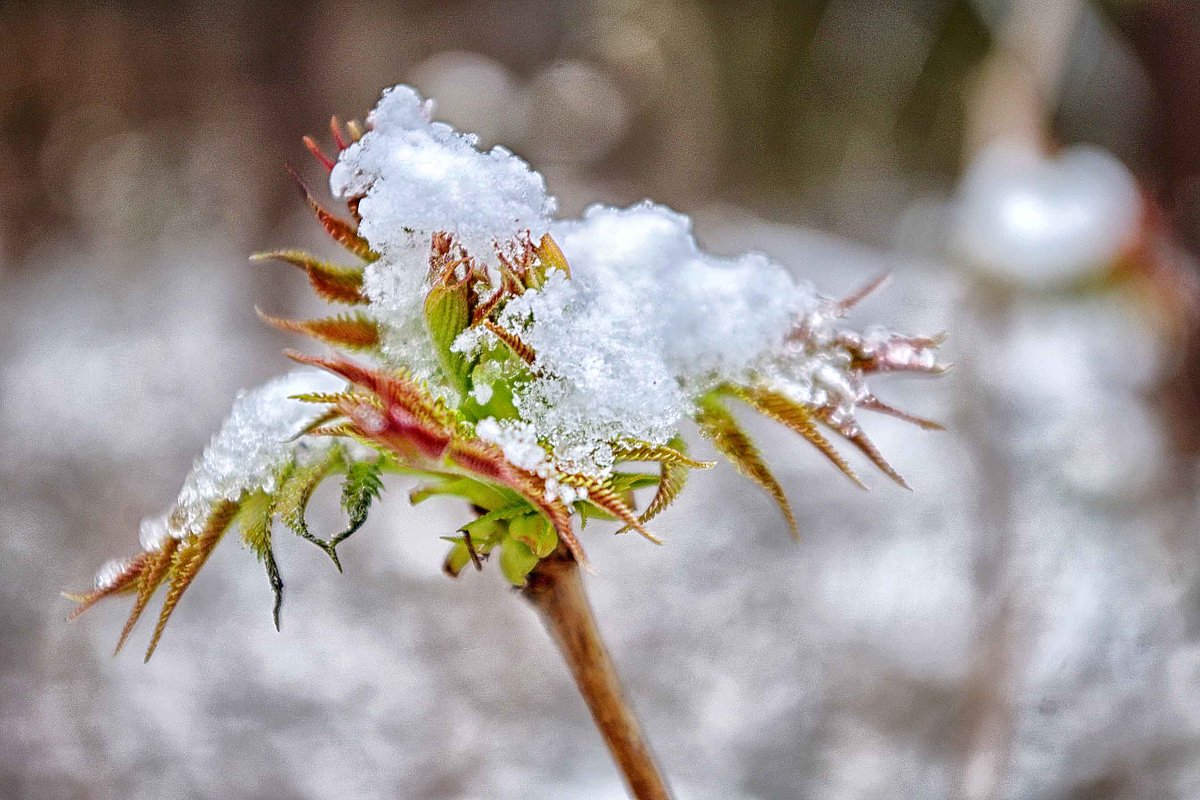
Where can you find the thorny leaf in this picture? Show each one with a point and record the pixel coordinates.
(332, 282)
(187, 561)
(800, 419)
(355, 332)
(722, 429)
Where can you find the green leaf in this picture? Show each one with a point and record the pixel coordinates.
(723, 430)
(363, 484)
(622, 482)
(516, 561)
(673, 476)
(254, 519)
(534, 532)
(296, 489)
(447, 314)
(477, 493)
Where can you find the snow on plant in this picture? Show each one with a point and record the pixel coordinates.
(524, 364)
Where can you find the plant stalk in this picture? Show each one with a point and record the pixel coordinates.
(556, 590)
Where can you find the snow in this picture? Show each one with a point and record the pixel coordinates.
(708, 317)
(648, 322)
(418, 177)
(257, 439)
(521, 448)
(109, 573)
(644, 324)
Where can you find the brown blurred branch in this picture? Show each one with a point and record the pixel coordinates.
(1017, 87)
(556, 590)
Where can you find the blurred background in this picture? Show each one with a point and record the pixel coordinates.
(1025, 624)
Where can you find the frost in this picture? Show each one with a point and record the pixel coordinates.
(257, 439)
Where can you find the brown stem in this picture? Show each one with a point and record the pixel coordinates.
(556, 590)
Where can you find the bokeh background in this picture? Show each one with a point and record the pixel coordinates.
(1024, 625)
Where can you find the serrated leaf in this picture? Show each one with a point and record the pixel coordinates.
(671, 479)
(152, 576)
(551, 256)
(356, 332)
(606, 498)
(362, 486)
(512, 341)
(873, 403)
(123, 583)
(334, 283)
(186, 563)
(254, 520)
(296, 489)
(722, 429)
(798, 418)
(341, 231)
(673, 453)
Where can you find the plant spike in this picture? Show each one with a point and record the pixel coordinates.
(157, 567)
(721, 428)
(873, 403)
(800, 419)
(353, 332)
(856, 437)
(187, 561)
(513, 342)
(123, 583)
(332, 282)
(342, 232)
(319, 154)
(673, 453)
